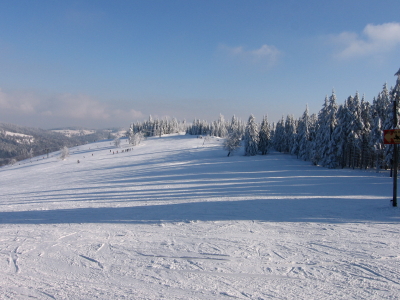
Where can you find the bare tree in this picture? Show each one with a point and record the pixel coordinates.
(117, 142)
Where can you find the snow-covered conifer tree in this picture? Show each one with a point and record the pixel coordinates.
(312, 134)
(303, 136)
(322, 135)
(381, 109)
(279, 136)
(234, 125)
(290, 134)
(388, 124)
(251, 137)
(221, 125)
(129, 133)
(355, 129)
(264, 137)
(327, 126)
(376, 142)
(340, 134)
(366, 160)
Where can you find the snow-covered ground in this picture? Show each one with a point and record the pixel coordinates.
(176, 219)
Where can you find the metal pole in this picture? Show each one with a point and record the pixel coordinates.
(395, 94)
(395, 163)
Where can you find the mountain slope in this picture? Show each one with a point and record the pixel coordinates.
(175, 219)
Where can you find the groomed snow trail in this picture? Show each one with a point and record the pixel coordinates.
(176, 219)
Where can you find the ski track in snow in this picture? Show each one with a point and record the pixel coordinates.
(176, 219)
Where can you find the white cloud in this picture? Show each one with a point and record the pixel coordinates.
(266, 55)
(80, 107)
(375, 39)
(24, 103)
(126, 115)
(71, 109)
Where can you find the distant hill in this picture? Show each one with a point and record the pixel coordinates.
(19, 142)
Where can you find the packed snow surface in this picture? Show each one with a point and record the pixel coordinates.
(174, 218)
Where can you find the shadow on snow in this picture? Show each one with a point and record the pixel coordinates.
(278, 188)
(321, 210)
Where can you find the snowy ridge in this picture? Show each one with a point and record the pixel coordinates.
(29, 138)
(73, 132)
(176, 219)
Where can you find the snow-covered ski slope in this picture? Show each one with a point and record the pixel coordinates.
(176, 219)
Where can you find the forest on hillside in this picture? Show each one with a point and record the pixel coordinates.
(339, 135)
(18, 142)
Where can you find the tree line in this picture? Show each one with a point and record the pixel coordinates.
(338, 136)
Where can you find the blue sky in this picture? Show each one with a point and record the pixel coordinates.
(108, 63)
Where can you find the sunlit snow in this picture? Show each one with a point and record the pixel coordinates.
(176, 219)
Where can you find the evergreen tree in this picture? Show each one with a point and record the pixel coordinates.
(356, 126)
(376, 141)
(251, 137)
(329, 158)
(289, 134)
(381, 109)
(234, 125)
(279, 136)
(366, 150)
(312, 135)
(221, 125)
(303, 136)
(341, 133)
(264, 136)
(388, 124)
(322, 136)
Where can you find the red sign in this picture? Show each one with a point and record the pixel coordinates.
(391, 136)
